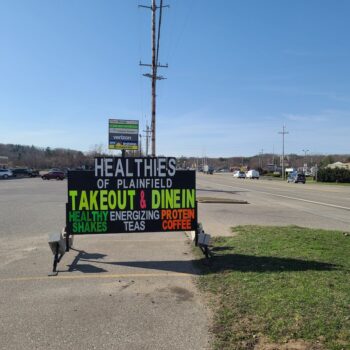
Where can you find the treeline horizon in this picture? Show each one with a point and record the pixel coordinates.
(43, 158)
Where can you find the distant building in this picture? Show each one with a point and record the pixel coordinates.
(4, 162)
(286, 161)
(339, 165)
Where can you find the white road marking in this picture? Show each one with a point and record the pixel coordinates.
(281, 196)
(309, 187)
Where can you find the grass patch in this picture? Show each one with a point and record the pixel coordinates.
(279, 284)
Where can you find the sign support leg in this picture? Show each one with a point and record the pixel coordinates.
(56, 260)
(67, 241)
(197, 229)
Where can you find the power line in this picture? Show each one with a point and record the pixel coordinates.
(142, 91)
(176, 41)
(159, 25)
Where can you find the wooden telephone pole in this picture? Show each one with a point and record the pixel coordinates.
(283, 132)
(155, 64)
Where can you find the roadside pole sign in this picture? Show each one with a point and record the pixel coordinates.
(123, 134)
(131, 195)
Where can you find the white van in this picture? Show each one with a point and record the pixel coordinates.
(253, 174)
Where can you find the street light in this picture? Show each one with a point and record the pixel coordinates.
(305, 159)
(305, 151)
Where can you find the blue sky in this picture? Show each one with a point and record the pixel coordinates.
(238, 71)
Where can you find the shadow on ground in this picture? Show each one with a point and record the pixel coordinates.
(84, 256)
(86, 263)
(219, 191)
(252, 263)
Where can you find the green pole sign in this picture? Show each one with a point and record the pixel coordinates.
(123, 134)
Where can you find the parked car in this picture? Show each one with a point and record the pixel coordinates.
(22, 172)
(239, 174)
(55, 169)
(5, 173)
(53, 174)
(296, 177)
(34, 173)
(253, 174)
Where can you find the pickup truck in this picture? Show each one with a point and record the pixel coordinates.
(208, 170)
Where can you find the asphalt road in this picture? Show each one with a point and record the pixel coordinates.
(127, 291)
(271, 203)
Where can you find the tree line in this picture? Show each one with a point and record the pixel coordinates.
(334, 175)
(44, 158)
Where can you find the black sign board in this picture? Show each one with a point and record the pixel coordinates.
(131, 195)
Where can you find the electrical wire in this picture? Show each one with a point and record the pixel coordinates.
(159, 25)
(142, 89)
(177, 41)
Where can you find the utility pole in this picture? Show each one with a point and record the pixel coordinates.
(283, 132)
(305, 160)
(155, 64)
(260, 158)
(154, 78)
(147, 131)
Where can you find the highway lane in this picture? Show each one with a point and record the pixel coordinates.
(272, 203)
(331, 195)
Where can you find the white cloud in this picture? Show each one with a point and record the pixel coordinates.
(306, 118)
(324, 116)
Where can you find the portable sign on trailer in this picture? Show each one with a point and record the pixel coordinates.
(123, 195)
(123, 134)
